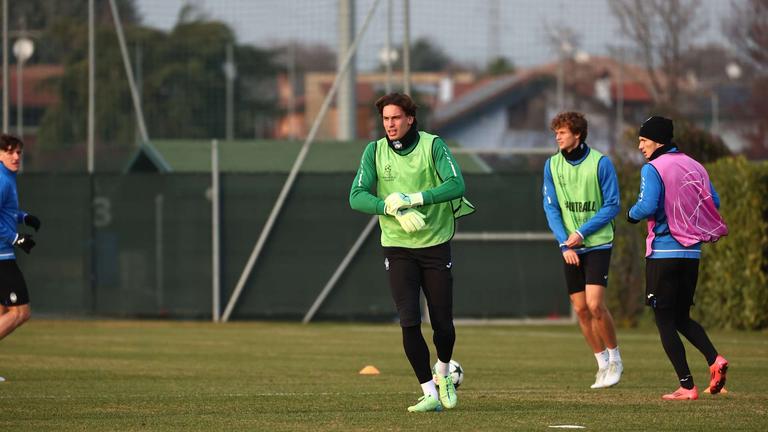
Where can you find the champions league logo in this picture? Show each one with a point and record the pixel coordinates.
(387, 175)
(397, 145)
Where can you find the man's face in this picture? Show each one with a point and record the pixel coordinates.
(396, 122)
(566, 140)
(11, 158)
(647, 147)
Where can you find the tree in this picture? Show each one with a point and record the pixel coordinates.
(709, 63)
(182, 86)
(307, 57)
(747, 29)
(661, 31)
(500, 66)
(426, 56)
(37, 16)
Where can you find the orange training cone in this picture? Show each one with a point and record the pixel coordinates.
(369, 370)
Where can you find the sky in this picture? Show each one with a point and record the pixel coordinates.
(465, 29)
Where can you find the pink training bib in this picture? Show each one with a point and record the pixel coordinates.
(691, 213)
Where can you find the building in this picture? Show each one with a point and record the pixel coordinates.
(514, 111)
(432, 89)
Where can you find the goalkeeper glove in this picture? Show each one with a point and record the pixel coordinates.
(24, 242)
(398, 200)
(32, 221)
(411, 220)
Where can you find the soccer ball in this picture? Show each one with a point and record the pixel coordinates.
(455, 371)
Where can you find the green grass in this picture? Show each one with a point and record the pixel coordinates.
(139, 375)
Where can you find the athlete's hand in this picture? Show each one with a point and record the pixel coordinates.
(398, 200)
(32, 221)
(571, 257)
(574, 240)
(24, 242)
(411, 220)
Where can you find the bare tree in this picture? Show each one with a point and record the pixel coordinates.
(661, 30)
(747, 29)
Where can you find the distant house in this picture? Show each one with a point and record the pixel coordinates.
(433, 88)
(514, 111)
(37, 96)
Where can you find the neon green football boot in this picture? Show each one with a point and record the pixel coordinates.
(447, 392)
(426, 404)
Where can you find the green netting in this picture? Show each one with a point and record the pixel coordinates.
(149, 252)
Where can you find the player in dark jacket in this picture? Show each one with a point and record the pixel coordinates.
(14, 298)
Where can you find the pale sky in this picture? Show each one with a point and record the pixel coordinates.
(462, 28)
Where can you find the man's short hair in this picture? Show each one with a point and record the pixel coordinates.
(10, 142)
(402, 100)
(574, 121)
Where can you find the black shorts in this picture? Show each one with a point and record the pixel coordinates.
(592, 270)
(670, 282)
(413, 270)
(13, 288)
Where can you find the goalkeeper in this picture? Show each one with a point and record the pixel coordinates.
(14, 297)
(418, 195)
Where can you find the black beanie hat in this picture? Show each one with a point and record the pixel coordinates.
(657, 129)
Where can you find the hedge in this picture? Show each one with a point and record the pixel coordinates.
(733, 275)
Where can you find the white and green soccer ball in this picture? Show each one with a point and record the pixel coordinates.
(455, 371)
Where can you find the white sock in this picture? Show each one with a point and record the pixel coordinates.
(602, 359)
(442, 368)
(614, 355)
(429, 389)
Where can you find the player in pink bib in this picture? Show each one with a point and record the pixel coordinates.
(680, 203)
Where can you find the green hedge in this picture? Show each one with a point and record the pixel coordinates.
(733, 276)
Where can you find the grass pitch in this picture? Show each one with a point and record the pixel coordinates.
(139, 375)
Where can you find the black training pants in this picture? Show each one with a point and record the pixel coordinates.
(412, 271)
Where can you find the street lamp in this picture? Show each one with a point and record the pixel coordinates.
(388, 56)
(565, 51)
(23, 49)
(230, 73)
(733, 72)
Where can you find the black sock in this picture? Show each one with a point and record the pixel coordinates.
(687, 382)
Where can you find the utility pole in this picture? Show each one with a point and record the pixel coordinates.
(346, 99)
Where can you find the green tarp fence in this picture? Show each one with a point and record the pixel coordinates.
(145, 250)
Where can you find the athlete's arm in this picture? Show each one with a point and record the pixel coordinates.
(609, 185)
(650, 193)
(715, 196)
(360, 196)
(449, 171)
(7, 235)
(552, 208)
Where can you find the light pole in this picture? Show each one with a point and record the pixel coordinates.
(5, 66)
(23, 49)
(230, 73)
(388, 56)
(733, 72)
(566, 49)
